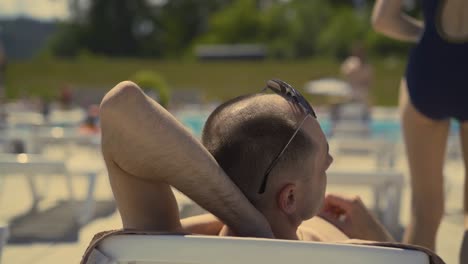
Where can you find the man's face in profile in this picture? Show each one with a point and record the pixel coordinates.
(314, 169)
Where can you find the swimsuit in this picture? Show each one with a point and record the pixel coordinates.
(437, 71)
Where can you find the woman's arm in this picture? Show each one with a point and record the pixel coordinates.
(388, 19)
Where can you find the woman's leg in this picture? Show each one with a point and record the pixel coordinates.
(464, 142)
(425, 142)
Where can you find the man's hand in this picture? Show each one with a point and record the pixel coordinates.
(351, 216)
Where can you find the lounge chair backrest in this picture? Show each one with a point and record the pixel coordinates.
(172, 249)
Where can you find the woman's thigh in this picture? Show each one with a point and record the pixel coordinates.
(425, 143)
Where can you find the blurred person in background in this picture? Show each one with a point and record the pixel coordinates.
(433, 91)
(3, 63)
(358, 73)
(45, 106)
(91, 123)
(66, 97)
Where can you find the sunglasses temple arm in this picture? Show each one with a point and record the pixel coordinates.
(263, 186)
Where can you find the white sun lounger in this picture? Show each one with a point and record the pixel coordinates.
(64, 137)
(173, 249)
(383, 150)
(24, 118)
(71, 117)
(4, 234)
(32, 165)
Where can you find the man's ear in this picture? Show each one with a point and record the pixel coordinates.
(287, 198)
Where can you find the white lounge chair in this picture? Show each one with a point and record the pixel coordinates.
(24, 118)
(172, 249)
(381, 149)
(350, 120)
(66, 137)
(31, 165)
(4, 235)
(72, 117)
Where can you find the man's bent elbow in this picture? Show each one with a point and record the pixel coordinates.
(118, 97)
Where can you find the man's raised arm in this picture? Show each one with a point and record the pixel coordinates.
(146, 149)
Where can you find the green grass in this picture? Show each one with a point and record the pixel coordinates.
(216, 80)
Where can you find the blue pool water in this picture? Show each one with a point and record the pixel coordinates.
(379, 128)
(194, 122)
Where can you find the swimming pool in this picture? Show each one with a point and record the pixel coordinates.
(195, 121)
(388, 128)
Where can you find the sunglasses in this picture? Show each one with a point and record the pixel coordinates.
(289, 93)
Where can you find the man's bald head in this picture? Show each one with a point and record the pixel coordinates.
(245, 135)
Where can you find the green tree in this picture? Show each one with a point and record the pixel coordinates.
(134, 27)
(112, 26)
(149, 80)
(180, 22)
(289, 29)
(68, 41)
(343, 28)
(238, 22)
(109, 27)
(313, 17)
(281, 30)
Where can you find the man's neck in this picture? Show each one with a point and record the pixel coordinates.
(281, 226)
(279, 233)
(284, 230)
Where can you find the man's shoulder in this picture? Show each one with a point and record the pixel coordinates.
(318, 229)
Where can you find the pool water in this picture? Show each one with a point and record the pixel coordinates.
(194, 122)
(379, 128)
(388, 128)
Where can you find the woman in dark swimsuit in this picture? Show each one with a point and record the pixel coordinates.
(435, 89)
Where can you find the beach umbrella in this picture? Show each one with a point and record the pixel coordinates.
(329, 87)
